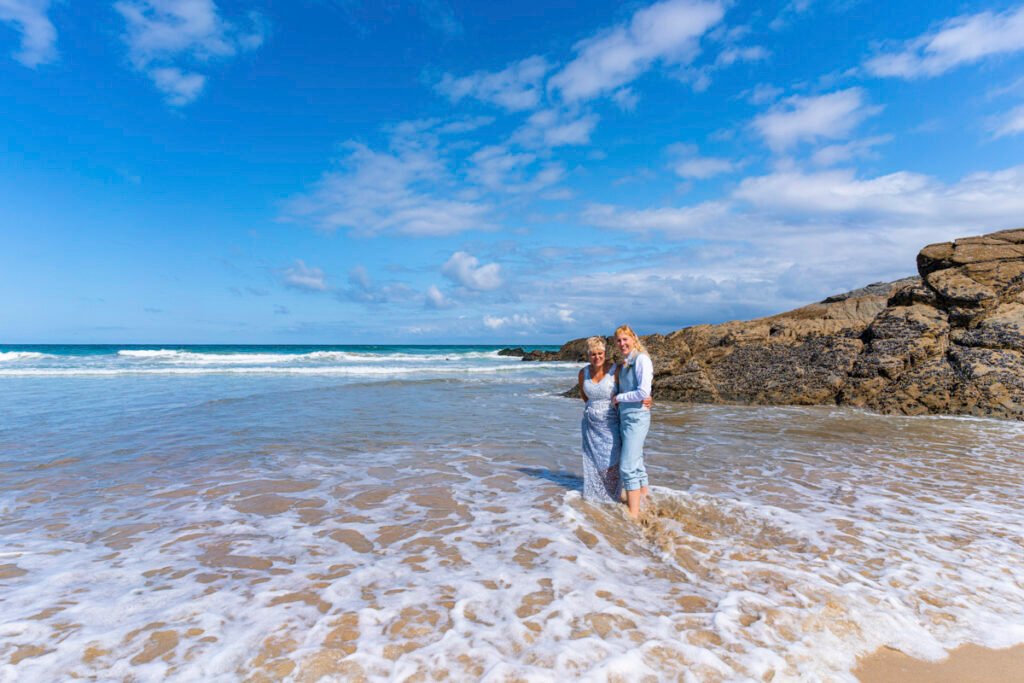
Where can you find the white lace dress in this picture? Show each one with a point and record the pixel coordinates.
(601, 441)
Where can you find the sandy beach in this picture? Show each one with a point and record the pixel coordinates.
(966, 664)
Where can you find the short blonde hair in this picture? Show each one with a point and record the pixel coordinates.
(627, 330)
(594, 343)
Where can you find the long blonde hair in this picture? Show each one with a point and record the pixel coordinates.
(627, 330)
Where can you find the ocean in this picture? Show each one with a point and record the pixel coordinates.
(413, 513)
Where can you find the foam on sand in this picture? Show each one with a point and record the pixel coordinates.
(298, 530)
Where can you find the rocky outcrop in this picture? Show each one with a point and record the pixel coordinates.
(574, 351)
(949, 341)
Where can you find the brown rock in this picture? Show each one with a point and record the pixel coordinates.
(951, 341)
(954, 286)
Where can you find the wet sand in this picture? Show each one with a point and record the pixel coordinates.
(966, 664)
(172, 529)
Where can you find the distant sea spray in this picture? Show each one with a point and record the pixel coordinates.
(350, 361)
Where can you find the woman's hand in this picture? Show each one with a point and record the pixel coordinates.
(648, 402)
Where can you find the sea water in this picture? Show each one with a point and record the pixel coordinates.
(413, 513)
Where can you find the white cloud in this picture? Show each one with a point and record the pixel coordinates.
(401, 191)
(363, 289)
(980, 201)
(180, 87)
(783, 240)
(810, 119)
(464, 269)
(687, 163)
(690, 221)
(961, 40)
(172, 41)
(466, 125)
(666, 31)
(564, 315)
(301, 276)
(501, 170)
(626, 98)
(793, 8)
(38, 35)
(517, 87)
(1010, 123)
(436, 299)
(797, 203)
(518, 320)
(701, 168)
(556, 128)
(556, 318)
(762, 93)
(439, 15)
(359, 277)
(864, 148)
(735, 54)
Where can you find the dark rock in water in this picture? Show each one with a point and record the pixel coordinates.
(949, 341)
(517, 351)
(573, 351)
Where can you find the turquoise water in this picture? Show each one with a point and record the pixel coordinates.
(295, 349)
(341, 360)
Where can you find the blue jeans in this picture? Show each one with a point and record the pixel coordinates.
(633, 425)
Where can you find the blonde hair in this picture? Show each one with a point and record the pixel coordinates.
(596, 343)
(628, 331)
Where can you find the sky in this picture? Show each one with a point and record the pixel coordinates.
(435, 171)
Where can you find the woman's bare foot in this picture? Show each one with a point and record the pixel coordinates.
(633, 501)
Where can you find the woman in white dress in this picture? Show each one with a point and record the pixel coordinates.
(602, 443)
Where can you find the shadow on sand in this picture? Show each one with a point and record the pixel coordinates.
(567, 480)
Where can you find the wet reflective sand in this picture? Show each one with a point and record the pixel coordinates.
(434, 531)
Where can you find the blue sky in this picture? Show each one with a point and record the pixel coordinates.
(336, 171)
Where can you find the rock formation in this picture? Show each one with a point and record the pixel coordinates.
(949, 341)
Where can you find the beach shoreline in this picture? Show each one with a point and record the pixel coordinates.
(261, 515)
(966, 664)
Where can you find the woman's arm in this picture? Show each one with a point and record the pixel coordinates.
(583, 394)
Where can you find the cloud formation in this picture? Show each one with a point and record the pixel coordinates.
(517, 320)
(501, 170)
(810, 119)
(1009, 123)
(666, 31)
(172, 41)
(465, 269)
(687, 163)
(436, 299)
(782, 239)
(38, 35)
(362, 289)
(978, 201)
(398, 191)
(515, 88)
(551, 128)
(303, 277)
(796, 202)
(863, 148)
(675, 222)
(961, 40)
